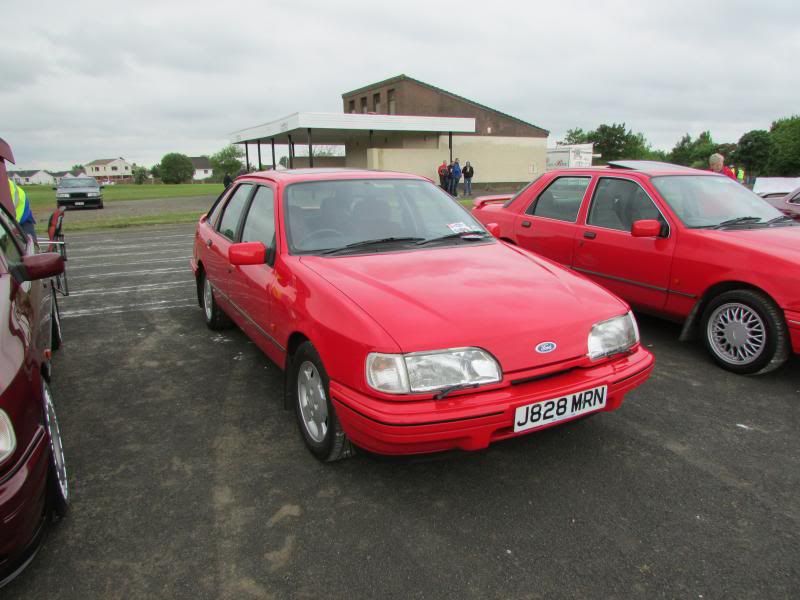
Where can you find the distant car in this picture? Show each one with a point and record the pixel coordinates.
(402, 325)
(79, 192)
(33, 477)
(788, 204)
(687, 245)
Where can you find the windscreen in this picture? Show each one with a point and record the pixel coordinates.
(325, 215)
(77, 182)
(709, 201)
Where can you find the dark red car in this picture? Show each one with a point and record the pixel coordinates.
(684, 244)
(788, 204)
(33, 480)
(402, 325)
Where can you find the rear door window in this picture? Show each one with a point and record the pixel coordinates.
(561, 200)
(232, 214)
(260, 223)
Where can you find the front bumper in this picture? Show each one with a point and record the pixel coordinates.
(793, 321)
(23, 500)
(79, 202)
(474, 420)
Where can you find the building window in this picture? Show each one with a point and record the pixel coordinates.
(364, 104)
(205, 171)
(376, 103)
(352, 106)
(392, 102)
(113, 168)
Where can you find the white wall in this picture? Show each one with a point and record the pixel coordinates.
(201, 174)
(116, 168)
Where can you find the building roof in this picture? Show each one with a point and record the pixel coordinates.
(402, 77)
(58, 173)
(26, 173)
(200, 162)
(334, 128)
(102, 161)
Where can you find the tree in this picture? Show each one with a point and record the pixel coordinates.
(76, 169)
(227, 161)
(155, 171)
(139, 175)
(784, 158)
(613, 142)
(176, 168)
(753, 151)
(693, 153)
(575, 136)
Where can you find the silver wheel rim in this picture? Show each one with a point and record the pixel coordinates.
(56, 321)
(737, 333)
(313, 402)
(208, 298)
(56, 448)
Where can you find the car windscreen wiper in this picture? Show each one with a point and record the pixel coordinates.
(464, 235)
(737, 221)
(367, 243)
(782, 218)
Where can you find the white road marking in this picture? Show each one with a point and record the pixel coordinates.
(136, 262)
(123, 308)
(148, 253)
(743, 426)
(78, 243)
(132, 273)
(127, 289)
(88, 250)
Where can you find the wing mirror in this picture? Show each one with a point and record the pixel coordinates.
(40, 266)
(247, 253)
(646, 228)
(494, 229)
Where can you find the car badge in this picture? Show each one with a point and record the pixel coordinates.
(546, 347)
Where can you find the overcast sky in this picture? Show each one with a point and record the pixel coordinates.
(81, 80)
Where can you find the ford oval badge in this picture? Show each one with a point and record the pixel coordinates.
(546, 347)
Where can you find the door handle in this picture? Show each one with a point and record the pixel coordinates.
(526, 223)
(209, 243)
(589, 235)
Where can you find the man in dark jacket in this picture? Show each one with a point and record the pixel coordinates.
(468, 172)
(455, 177)
(227, 180)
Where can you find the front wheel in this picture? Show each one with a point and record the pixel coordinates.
(215, 318)
(745, 333)
(57, 484)
(316, 417)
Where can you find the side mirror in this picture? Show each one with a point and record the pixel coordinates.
(494, 229)
(646, 228)
(247, 253)
(40, 266)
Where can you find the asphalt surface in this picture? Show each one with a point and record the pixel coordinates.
(189, 480)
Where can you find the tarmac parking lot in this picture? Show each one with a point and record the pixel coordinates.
(190, 480)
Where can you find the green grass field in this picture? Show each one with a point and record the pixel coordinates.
(42, 196)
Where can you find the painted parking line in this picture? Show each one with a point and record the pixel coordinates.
(164, 271)
(147, 253)
(126, 308)
(136, 262)
(79, 243)
(89, 250)
(132, 289)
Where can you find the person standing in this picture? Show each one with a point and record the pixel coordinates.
(455, 177)
(716, 162)
(22, 209)
(468, 172)
(227, 180)
(443, 172)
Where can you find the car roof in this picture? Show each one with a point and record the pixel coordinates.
(650, 168)
(288, 176)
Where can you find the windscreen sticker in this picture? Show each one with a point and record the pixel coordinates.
(460, 227)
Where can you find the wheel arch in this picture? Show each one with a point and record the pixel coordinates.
(296, 339)
(197, 279)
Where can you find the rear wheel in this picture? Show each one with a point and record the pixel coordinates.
(215, 318)
(57, 484)
(316, 417)
(745, 333)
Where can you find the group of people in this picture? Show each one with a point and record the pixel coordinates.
(716, 162)
(450, 175)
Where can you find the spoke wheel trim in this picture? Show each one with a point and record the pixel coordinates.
(737, 333)
(312, 401)
(56, 448)
(208, 298)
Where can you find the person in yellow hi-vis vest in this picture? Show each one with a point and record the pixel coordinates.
(22, 209)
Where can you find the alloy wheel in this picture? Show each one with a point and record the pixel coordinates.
(313, 401)
(56, 447)
(737, 334)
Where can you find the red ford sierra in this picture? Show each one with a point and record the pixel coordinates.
(402, 325)
(687, 245)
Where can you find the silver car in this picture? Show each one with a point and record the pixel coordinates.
(79, 192)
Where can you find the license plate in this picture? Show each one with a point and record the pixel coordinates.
(79, 204)
(545, 412)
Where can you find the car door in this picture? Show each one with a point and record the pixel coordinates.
(548, 225)
(252, 285)
(226, 232)
(635, 268)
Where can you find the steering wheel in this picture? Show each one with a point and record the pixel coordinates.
(317, 233)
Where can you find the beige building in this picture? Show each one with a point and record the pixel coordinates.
(109, 168)
(402, 124)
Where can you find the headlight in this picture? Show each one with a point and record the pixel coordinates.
(63, 195)
(8, 442)
(427, 371)
(613, 336)
(93, 194)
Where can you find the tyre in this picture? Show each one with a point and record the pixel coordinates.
(55, 324)
(745, 333)
(57, 483)
(100, 205)
(316, 417)
(215, 318)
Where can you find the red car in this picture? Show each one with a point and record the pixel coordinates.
(788, 204)
(687, 245)
(33, 479)
(402, 325)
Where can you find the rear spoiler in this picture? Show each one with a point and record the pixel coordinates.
(482, 201)
(5, 194)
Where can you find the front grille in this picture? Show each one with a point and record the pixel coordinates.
(79, 195)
